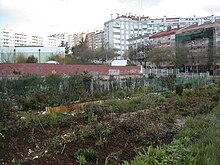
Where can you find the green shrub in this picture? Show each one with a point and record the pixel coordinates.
(81, 159)
(167, 154)
(168, 94)
(89, 154)
(188, 85)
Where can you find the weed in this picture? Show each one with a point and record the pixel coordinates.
(92, 117)
(84, 132)
(81, 159)
(100, 141)
(89, 154)
(52, 143)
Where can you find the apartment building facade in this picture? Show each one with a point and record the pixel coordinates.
(203, 43)
(164, 38)
(9, 38)
(6, 38)
(121, 32)
(95, 40)
(118, 31)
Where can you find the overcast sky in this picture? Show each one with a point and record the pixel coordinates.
(73, 16)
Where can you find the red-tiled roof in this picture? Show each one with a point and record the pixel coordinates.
(164, 33)
(196, 26)
(44, 69)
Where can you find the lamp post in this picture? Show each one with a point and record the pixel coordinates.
(192, 58)
(14, 55)
(39, 56)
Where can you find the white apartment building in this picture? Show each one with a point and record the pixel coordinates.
(51, 41)
(6, 38)
(10, 38)
(70, 40)
(120, 32)
(35, 40)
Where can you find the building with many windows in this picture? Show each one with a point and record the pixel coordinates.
(164, 38)
(121, 32)
(95, 40)
(10, 38)
(99, 39)
(118, 31)
(203, 43)
(6, 38)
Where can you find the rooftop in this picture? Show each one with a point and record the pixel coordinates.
(196, 27)
(169, 31)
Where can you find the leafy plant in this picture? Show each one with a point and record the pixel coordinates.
(52, 143)
(81, 159)
(88, 153)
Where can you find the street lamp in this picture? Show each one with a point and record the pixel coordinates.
(14, 55)
(39, 56)
(192, 58)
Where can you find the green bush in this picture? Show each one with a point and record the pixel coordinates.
(89, 154)
(165, 155)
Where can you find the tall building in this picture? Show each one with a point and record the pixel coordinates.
(95, 40)
(99, 39)
(35, 40)
(9, 38)
(123, 30)
(90, 39)
(70, 40)
(6, 38)
(79, 37)
(52, 41)
(118, 31)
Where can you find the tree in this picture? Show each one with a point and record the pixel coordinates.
(181, 53)
(70, 59)
(141, 54)
(67, 48)
(21, 59)
(57, 57)
(160, 55)
(138, 53)
(109, 54)
(31, 59)
(62, 44)
(82, 54)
